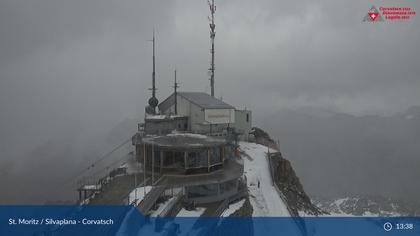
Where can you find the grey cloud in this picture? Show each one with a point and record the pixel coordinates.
(86, 65)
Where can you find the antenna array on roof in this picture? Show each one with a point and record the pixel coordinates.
(212, 36)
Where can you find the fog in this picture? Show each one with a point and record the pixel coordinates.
(71, 71)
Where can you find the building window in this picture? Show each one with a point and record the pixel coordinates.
(247, 117)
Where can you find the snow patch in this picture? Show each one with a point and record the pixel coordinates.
(193, 213)
(137, 195)
(264, 198)
(233, 207)
(190, 135)
(162, 206)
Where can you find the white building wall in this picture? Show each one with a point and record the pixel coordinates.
(243, 122)
(219, 116)
(183, 107)
(186, 108)
(199, 119)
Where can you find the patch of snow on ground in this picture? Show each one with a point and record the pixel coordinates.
(264, 199)
(162, 206)
(133, 166)
(338, 202)
(186, 226)
(137, 195)
(233, 207)
(194, 213)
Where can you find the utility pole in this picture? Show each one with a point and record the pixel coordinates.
(212, 36)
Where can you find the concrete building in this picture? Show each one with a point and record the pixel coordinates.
(191, 144)
(207, 114)
(243, 123)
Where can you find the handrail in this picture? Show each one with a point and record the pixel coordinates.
(126, 198)
(150, 198)
(221, 208)
(276, 187)
(169, 207)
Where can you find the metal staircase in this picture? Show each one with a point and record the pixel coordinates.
(150, 199)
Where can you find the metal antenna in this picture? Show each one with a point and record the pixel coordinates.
(154, 68)
(153, 102)
(212, 36)
(176, 85)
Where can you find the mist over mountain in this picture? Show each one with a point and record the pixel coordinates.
(337, 154)
(50, 170)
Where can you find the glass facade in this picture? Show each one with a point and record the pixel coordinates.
(202, 191)
(197, 159)
(215, 155)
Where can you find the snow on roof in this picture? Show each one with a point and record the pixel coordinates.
(184, 140)
(162, 117)
(191, 135)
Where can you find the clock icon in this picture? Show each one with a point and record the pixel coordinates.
(387, 226)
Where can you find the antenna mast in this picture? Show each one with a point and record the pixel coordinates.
(176, 85)
(154, 68)
(153, 101)
(212, 36)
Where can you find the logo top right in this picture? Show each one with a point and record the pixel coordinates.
(373, 15)
(389, 13)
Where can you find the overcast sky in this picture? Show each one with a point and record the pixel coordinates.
(69, 65)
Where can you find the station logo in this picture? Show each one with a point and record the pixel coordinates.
(389, 14)
(373, 15)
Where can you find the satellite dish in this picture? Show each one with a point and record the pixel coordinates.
(153, 102)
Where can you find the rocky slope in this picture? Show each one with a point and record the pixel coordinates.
(286, 179)
(365, 206)
(369, 155)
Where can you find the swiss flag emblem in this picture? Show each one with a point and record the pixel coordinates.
(373, 15)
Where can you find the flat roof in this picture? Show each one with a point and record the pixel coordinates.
(201, 99)
(204, 100)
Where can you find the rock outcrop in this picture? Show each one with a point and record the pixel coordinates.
(361, 205)
(286, 179)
